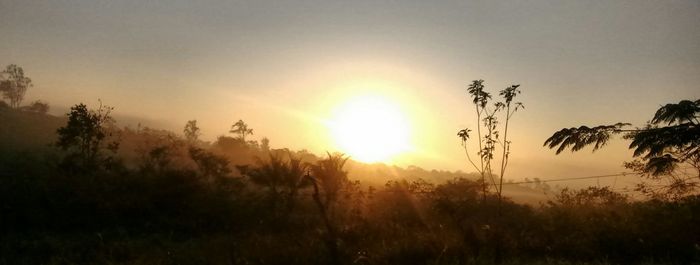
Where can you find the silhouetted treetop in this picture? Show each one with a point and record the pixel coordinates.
(275, 172)
(241, 129)
(13, 84)
(84, 135)
(488, 123)
(479, 96)
(192, 131)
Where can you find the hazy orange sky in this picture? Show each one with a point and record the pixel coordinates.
(283, 66)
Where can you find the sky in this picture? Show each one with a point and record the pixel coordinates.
(285, 66)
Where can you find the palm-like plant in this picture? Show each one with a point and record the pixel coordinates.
(283, 177)
(328, 174)
(331, 177)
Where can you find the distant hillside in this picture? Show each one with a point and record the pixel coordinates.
(26, 131)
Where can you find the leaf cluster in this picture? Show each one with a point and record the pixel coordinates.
(578, 138)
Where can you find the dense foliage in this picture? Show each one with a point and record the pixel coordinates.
(165, 199)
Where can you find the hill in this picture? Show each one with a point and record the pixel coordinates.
(22, 131)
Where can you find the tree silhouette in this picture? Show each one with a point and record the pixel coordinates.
(14, 84)
(489, 141)
(84, 136)
(192, 131)
(670, 139)
(328, 174)
(265, 145)
(282, 177)
(241, 128)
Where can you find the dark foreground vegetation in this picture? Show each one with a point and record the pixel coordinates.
(90, 193)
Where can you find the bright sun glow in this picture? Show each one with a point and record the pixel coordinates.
(370, 129)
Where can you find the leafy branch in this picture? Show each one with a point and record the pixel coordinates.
(672, 137)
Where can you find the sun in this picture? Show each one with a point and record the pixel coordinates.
(370, 128)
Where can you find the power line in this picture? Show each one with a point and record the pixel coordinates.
(569, 179)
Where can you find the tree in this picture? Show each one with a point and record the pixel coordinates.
(489, 141)
(330, 175)
(37, 106)
(332, 178)
(192, 132)
(670, 139)
(241, 128)
(14, 84)
(85, 135)
(283, 178)
(265, 145)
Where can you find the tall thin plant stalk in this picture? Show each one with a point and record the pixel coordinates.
(489, 141)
